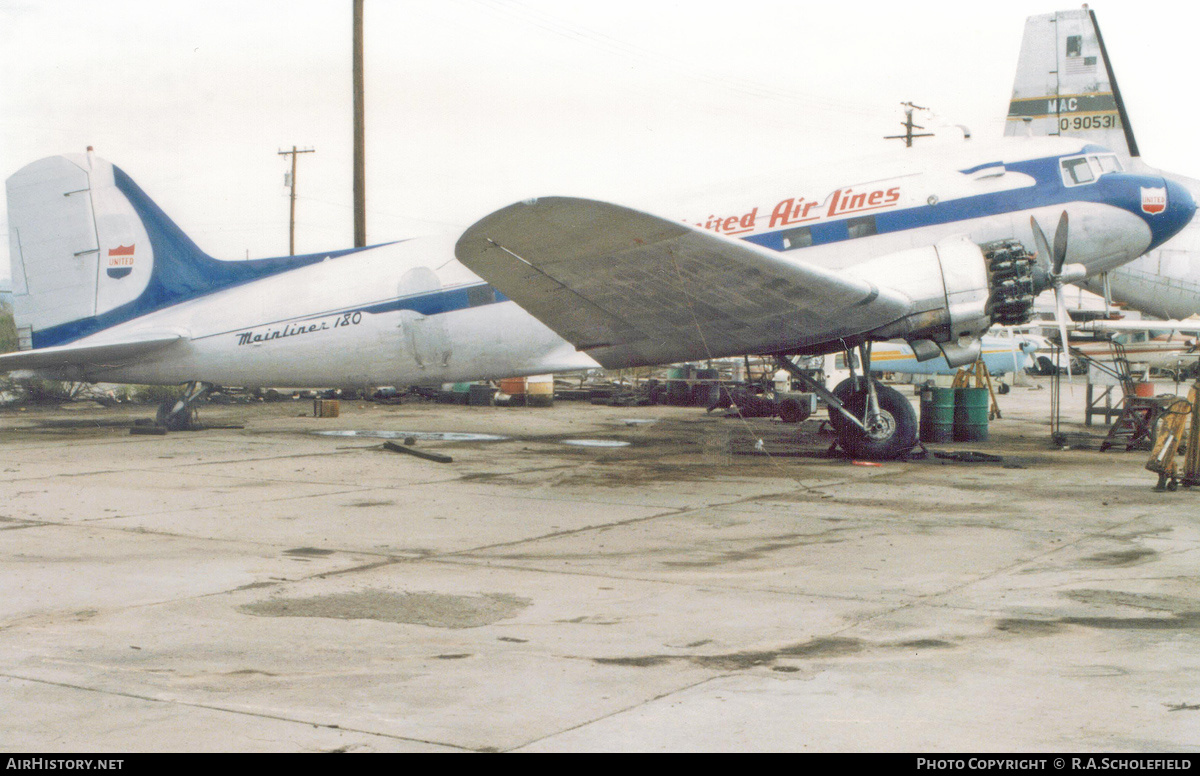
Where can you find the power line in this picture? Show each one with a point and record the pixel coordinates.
(909, 126)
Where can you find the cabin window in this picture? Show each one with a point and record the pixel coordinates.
(863, 226)
(480, 295)
(797, 238)
(1077, 171)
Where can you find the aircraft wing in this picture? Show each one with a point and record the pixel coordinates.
(88, 358)
(632, 289)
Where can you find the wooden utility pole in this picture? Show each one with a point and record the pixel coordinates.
(909, 126)
(360, 152)
(292, 181)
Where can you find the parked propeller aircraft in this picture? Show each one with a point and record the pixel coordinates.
(1170, 346)
(931, 248)
(1001, 356)
(1065, 85)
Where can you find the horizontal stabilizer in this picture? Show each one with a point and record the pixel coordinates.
(631, 289)
(87, 358)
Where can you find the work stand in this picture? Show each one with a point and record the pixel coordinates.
(1139, 416)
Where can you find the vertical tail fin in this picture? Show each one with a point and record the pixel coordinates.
(77, 248)
(1065, 84)
(90, 250)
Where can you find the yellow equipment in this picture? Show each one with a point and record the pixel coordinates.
(1174, 430)
(983, 379)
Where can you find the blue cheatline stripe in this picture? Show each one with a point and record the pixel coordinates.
(1121, 190)
(437, 302)
(984, 166)
(181, 271)
(431, 303)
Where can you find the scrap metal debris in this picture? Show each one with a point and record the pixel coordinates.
(408, 448)
(968, 456)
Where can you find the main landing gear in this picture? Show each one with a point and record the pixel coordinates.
(871, 420)
(179, 414)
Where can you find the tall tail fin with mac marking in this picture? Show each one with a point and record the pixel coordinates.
(1065, 84)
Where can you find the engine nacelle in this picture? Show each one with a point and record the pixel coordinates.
(958, 290)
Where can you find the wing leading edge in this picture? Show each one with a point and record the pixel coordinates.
(634, 289)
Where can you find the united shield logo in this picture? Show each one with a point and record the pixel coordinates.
(1154, 201)
(120, 261)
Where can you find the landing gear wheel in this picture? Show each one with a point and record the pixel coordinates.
(891, 435)
(175, 420)
(843, 391)
(793, 411)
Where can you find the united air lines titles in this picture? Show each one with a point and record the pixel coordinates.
(799, 210)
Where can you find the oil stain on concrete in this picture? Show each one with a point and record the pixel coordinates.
(1154, 603)
(1182, 621)
(1122, 558)
(814, 649)
(436, 610)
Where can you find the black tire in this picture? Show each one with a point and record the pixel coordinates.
(793, 410)
(843, 391)
(1045, 367)
(721, 400)
(179, 421)
(1003, 389)
(901, 434)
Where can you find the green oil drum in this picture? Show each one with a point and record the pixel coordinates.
(481, 395)
(971, 414)
(679, 391)
(937, 415)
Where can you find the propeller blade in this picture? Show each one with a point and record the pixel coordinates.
(1061, 304)
(1060, 243)
(1042, 245)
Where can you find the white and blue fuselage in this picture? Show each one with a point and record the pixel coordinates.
(409, 313)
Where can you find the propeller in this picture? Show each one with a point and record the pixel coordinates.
(1056, 275)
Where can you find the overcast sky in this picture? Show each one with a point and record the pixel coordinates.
(473, 104)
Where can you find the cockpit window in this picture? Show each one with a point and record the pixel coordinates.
(1107, 163)
(1077, 171)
